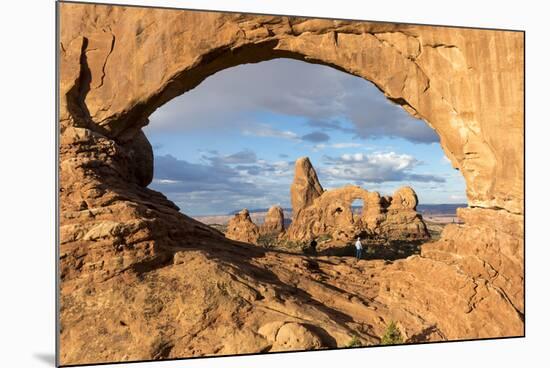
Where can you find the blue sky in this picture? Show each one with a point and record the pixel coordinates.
(231, 142)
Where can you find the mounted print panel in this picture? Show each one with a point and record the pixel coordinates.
(247, 184)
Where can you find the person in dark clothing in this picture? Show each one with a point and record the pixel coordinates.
(313, 246)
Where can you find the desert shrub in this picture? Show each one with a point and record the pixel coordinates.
(324, 237)
(392, 335)
(354, 342)
(297, 245)
(219, 227)
(267, 240)
(292, 245)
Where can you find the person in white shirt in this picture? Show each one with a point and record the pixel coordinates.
(358, 248)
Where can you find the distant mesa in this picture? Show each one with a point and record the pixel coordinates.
(317, 212)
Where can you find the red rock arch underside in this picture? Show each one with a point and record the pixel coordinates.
(139, 280)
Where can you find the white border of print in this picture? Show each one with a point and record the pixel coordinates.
(27, 213)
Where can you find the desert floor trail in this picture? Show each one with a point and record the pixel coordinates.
(139, 280)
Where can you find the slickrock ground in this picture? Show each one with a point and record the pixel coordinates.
(140, 280)
(226, 300)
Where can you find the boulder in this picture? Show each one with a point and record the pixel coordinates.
(404, 198)
(241, 228)
(402, 222)
(295, 336)
(274, 222)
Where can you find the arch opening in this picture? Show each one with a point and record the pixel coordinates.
(357, 208)
(243, 128)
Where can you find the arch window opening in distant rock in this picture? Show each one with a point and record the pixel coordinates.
(232, 143)
(357, 209)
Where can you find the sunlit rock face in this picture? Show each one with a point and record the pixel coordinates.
(305, 187)
(140, 280)
(317, 212)
(241, 228)
(274, 223)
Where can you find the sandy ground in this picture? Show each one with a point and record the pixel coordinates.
(442, 219)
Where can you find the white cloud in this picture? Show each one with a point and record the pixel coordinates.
(166, 181)
(350, 157)
(345, 145)
(264, 130)
(241, 157)
(223, 182)
(392, 159)
(323, 95)
(378, 167)
(455, 197)
(341, 145)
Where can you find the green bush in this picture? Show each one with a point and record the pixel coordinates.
(267, 240)
(290, 244)
(392, 335)
(324, 237)
(354, 342)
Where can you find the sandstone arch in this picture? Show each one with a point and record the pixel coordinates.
(118, 64)
(329, 212)
(457, 80)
